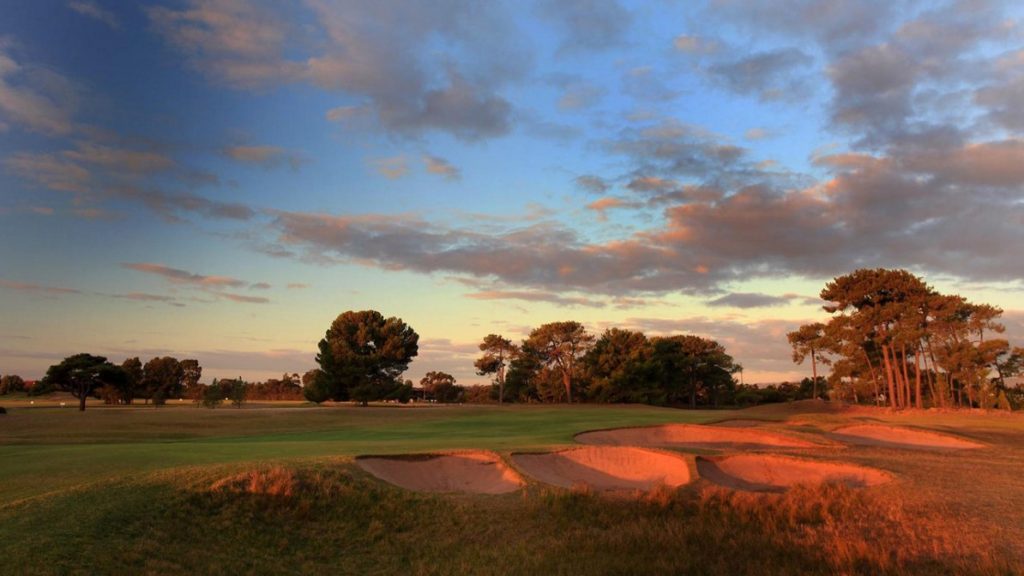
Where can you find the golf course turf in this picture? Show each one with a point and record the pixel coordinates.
(273, 489)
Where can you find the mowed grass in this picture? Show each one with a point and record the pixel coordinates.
(274, 490)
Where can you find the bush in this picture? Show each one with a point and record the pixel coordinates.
(3, 410)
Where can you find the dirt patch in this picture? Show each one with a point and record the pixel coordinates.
(768, 473)
(606, 468)
(475, 472)
(693, 436)
(895, 437)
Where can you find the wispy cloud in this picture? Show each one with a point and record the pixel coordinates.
(180, 276)
(533, 296)
(93, 10)
(36, 98)
(392, 168)
(441, 167)
(265, 156)
(36, 288)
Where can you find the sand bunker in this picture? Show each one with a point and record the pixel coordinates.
(477, 472)
(693, 436)
(606, 468)
(894, 437)
(741, 423)
(766, 473)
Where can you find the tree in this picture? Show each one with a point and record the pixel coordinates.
(619, 369)
(315, 387)
(441, 386)
(11, 383)
(162, 379)
(689, 366)
(134, 374)
(498, 352)
(82, 375)
(212, 395)
(191, 372)
(560, 346)
(363, 355)
(808, 340)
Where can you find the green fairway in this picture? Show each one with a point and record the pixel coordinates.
(129, 490)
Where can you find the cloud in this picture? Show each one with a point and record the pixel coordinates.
(532, 296)
(36, 98)
(93, 10)
(260, 286)
(774, 75)
(36, 288)
(602, 205)
(238, 42)
(342, 113)
(50, 172)
(587, 24)
(441, 167)
(250, 44)
(835, 24)
(592, 184)
(265, 156)
(392, 168)
(146, 297)
(749, 300)
(243, 298)
(179, 276)
(696, 44)
(579, 96)
(119, 160)
(297, 286)
(759, 346)
(755, 134)
(213, 285)
(169, 205)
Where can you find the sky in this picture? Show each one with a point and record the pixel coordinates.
(219, 179)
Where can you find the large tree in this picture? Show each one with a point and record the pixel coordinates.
(809, 340)
(619, 369)
(498, 351)
(82, 375)
(163, 378)
(363, 355)
(690, 367)
(561, 345)
(891, 326)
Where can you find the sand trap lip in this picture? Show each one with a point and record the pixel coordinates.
(896, 437)
(693, 436)
(606, 468)
(741, 423)
(770, 473)
(476, 472)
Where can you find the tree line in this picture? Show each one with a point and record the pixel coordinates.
(895, 340)
(363, 355)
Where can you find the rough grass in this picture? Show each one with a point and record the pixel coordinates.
(229, 499)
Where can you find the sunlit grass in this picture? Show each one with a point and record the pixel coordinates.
(187, 490)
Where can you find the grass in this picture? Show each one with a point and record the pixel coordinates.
(274, 491)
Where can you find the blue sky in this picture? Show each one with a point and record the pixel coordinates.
(219, 179)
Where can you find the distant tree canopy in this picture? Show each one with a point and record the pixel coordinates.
(11, 383)
(363, 356)
(895, 339)
(560, 361)
(441, 386)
